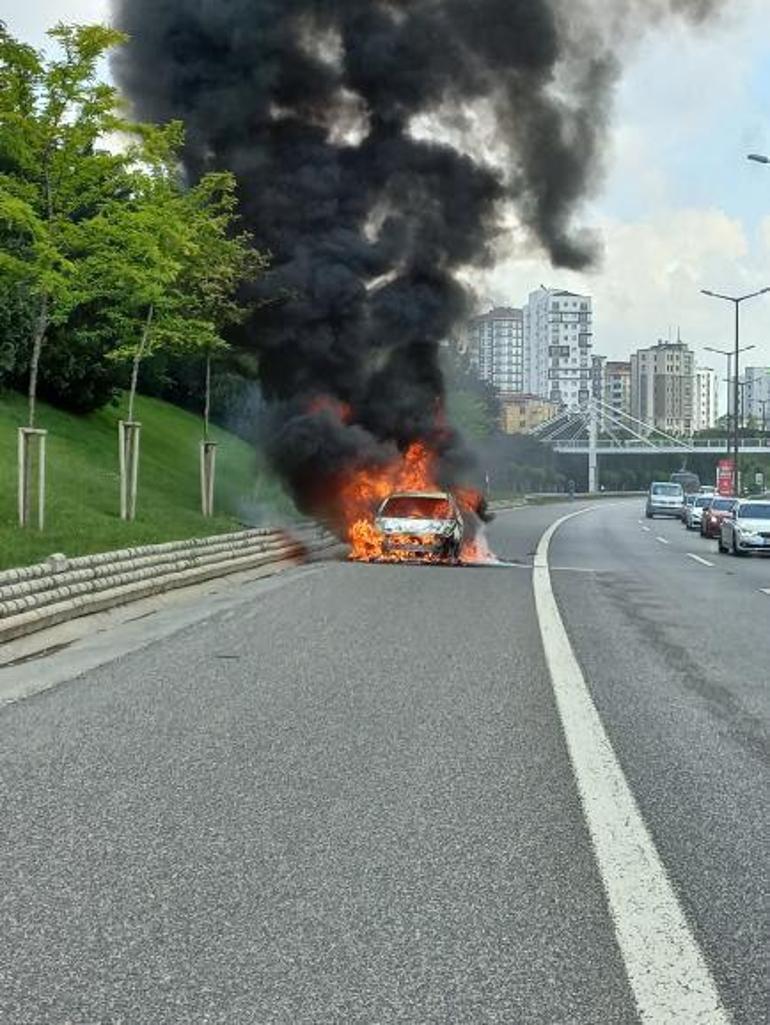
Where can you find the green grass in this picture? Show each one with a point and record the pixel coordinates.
(82, 508)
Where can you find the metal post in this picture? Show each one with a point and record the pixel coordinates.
(593, 459)
(736, 395)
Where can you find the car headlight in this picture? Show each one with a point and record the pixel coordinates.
(746, 532)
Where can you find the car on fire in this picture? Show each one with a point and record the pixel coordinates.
(747, 528)
(711, 520)
(420, 524)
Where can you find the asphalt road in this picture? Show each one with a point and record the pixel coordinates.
(346, 797)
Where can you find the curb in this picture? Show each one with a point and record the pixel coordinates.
(36, 597)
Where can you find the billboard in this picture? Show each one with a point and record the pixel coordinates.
(725, 472)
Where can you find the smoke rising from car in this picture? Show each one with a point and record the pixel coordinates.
(378, 145)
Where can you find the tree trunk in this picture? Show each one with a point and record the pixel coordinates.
(38, 337)
(138, 356)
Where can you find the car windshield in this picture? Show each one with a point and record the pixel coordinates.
(667, 489)
(754, 511)
(417, 507)
(701, 503)
(723, 504)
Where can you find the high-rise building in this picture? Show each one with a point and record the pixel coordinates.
(617, 388)
(496, 348)
(705, 399)
(558, 331)
(662, 383)
(756, 396)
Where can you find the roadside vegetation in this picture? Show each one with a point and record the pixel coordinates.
(84, 478)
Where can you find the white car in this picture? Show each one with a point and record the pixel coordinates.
(747, 528)
(664, 499)
(696, 510)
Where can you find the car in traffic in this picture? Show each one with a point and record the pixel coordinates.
(688, 501)
(713, 514)
(747, 529)
(694, 512)
(664, 499)
(420, 524)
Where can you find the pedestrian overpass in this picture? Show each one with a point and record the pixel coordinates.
(601, 430)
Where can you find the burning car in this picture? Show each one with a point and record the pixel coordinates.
(420, 525)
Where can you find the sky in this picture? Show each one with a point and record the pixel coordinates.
(680, 207)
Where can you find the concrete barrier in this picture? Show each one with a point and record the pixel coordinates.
(35, 597)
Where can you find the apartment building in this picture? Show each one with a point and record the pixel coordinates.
(662, 387)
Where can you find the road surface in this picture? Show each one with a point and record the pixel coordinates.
(348, 795)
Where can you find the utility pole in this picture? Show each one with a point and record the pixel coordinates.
(593, 458)
(736, 300)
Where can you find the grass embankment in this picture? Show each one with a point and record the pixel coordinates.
(82, 508)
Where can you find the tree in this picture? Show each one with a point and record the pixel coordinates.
(55, 174)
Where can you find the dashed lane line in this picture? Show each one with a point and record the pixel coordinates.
(697, 558)
(665, 966)
(646, 529)
(663, 540)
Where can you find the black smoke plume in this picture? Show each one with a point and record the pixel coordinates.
(377, 144)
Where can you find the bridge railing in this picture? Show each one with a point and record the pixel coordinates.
(697, 445)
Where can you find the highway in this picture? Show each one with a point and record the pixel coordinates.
(368, 795)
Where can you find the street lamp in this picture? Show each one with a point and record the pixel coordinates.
(729, 354)
(736, 300)
(759, 158)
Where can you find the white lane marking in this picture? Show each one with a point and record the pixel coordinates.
(765, 590)
(697, 558)
(663, 541)
(666, 969)
(647, 529)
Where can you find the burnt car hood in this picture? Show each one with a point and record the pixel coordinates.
(410, 525)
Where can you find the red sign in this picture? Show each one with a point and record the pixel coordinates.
(725, 474)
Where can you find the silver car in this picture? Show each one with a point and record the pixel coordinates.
(747, 529)
(420, 524)
(664, 499)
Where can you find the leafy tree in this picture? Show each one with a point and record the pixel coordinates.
(55, 174)
(174, 259)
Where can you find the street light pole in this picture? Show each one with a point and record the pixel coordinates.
(729, 356)
(736, 300)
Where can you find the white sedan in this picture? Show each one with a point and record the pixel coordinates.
(747, 528)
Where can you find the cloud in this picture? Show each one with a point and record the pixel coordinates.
(650, 281)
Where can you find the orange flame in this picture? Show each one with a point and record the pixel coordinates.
(362, 493)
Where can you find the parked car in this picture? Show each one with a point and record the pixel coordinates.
(688, 502)
(714, 513)
(419, 524)
(695, 511)
(747, 529)
(664, 499)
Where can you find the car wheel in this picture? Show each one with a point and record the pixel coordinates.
(736, 550)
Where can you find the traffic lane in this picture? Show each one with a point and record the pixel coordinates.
(514, 533)
(349, 802)
(678, 673)
(754, 569)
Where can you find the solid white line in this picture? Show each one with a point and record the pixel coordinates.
(697, 558)
(663, 541)
(666, 969)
